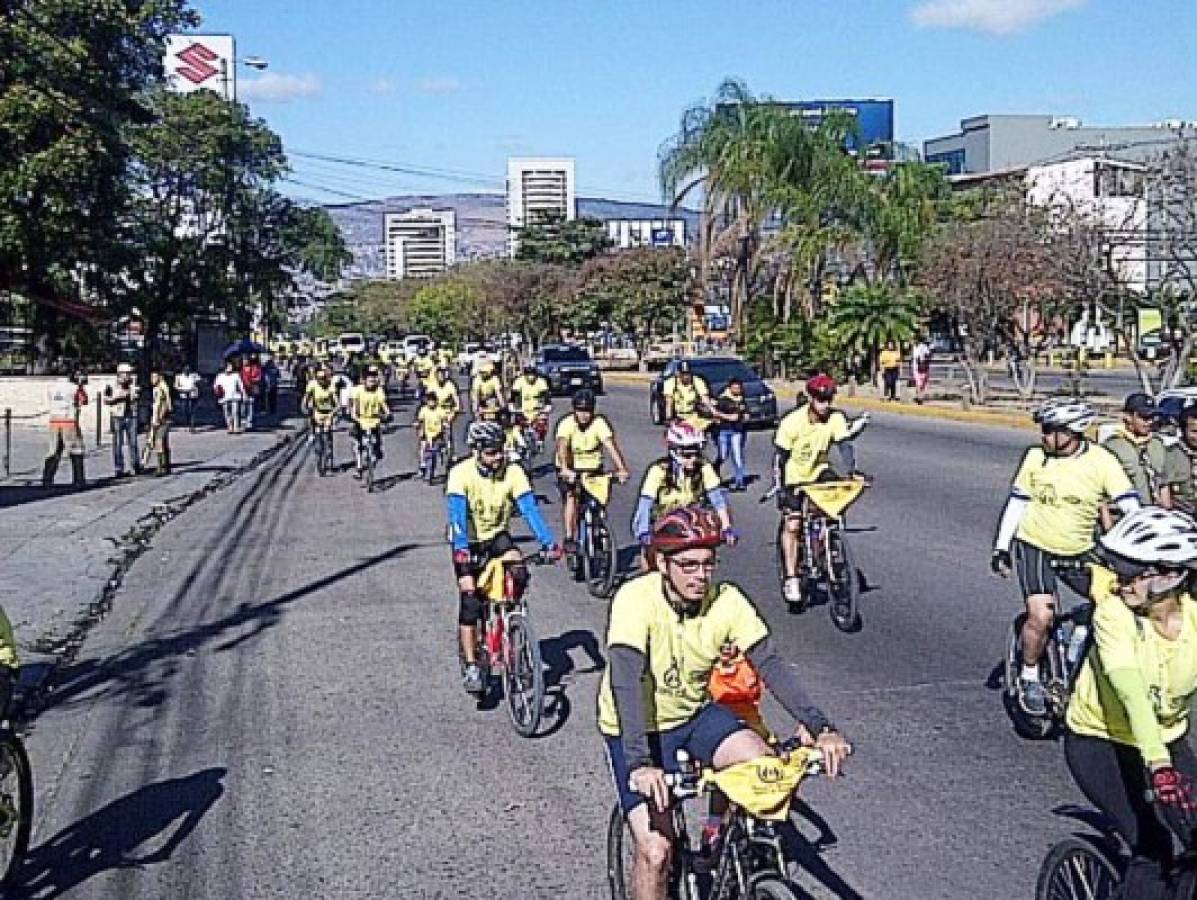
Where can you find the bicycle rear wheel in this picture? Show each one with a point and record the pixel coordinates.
(369, 476)
(523, 675)
(1034, 728)
(843, 586)
(1075, 870)
(16, 804)
(321, 459)
(599, 558)
(774, 887)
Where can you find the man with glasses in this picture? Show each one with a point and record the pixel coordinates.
(683, 478)
(668, 630)
(802, 448)
(1047, 530)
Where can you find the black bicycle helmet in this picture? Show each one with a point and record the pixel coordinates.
(584, 400)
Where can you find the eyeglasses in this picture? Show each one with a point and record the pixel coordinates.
(693, 566)
(688, 454)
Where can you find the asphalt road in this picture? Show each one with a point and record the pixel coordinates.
(273, 707)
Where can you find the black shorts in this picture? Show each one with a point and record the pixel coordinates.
(482, 552)
(565, 488)
(1039, 572)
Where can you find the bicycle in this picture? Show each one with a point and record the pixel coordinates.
(749, 861)
(324, 447)
(16, 801)
(434, 454)
(367, 455)
(507, 646)
(828, 562)
(597, 557)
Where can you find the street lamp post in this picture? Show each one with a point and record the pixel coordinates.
(251, 62)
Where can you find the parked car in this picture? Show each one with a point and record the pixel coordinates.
(717, 371)
(568, 368)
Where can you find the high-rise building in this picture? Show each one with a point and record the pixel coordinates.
(420, 243)
(539, 189)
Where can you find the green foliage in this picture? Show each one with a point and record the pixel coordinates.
(440, 309)
(319, 246)
(563, 243)
(867, 316)
(641, 291)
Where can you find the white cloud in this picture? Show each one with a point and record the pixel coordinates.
(383, 85)
(275, 87)
(442, 85)
(991, 16)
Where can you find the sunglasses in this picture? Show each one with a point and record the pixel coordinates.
(688, 454)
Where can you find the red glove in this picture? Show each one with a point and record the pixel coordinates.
(1173, 789)
(461, 557)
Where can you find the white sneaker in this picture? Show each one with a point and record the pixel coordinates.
(792, 590)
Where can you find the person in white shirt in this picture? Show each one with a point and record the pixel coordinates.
(121, 401)
(65, 396)
(187, 390)
(230, 391)
(920, 366)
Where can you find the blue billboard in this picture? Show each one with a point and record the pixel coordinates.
(874, 121)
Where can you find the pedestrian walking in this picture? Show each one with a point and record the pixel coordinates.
(920, 364)
(66, 397)
(230, 394)
(890, 363)
(187, 390)
(731, 414)
(160, 410)
(251, 380)
(121, 401)
(271, 376)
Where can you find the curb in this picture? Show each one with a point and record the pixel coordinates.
(36, 693)
(996, 418)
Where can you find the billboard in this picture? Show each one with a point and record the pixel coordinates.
(874, 120)
(196, 62)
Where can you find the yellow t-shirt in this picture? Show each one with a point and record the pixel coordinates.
(808, 443)
(666, 498)
(8, 645)
(1066, 496)
(423, 366)
(685, 396)
(323, 400)
(368, 406)
(530, 394)
(890, 359)
(1123, 640)
(431, 421)
(585, 444)
(490, 499)
(681, 651)
(484, 389)
(447, 397)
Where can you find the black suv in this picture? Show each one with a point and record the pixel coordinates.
(717, 371)
(568, 368)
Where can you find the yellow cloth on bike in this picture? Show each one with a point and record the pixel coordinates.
(447, 397)
(490, 499)
(322, 400)
(484, 389)
(833, 497)
(530, 394)
(808, 444)
(597, 486)
(8, 645)
(493, 581)
(1066, 495)
(765, 787)
(681, 652)
(1124, 642)
(585, 444)
(431, 420)
(368, 406)
(686, 397)
(687, 492)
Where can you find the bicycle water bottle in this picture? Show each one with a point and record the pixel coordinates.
(1076, 646)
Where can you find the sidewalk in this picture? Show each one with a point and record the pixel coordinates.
(62, 552)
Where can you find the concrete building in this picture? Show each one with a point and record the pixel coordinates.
(626, 233)
(539, 189)
(420, 243)
(996, 143)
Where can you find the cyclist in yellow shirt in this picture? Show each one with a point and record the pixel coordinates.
(444, 389)
(1129, 712)
(687, 396)
(802, 448)
(581, 438)
(481, 493)
(530, 398)
(423, 366)
(320, 403)
(683, 478)
(10, 666)
(668, 630)
(1049, 523)
(432, 425)
(486, 387)
(368, 408)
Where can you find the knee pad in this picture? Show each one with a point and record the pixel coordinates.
(469, 612)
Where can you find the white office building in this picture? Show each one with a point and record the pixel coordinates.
(420, 243)
(539, 189)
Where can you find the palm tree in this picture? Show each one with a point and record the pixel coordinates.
(868, 315)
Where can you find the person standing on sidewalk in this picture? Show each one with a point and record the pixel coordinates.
(187, 389)
(251, 380)
(731, 413)
(230, 393)
(122, 404)
(160, 410)
(66, 396)
(271, 377)
(920, 365)
(890, 363)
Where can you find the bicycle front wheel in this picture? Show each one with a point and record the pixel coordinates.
(843, 585)
(1075, 870)
(321, 458)
(620, 853)
(523, 675)
(16, 804)
(774, 887)
(599, 558)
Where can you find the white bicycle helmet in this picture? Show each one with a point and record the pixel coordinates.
(485, 435)
(684, 436)
(1150, 537)
(1075, 415)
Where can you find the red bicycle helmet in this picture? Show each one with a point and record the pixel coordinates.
(688, 528)
(822, 386)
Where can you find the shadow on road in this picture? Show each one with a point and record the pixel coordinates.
(555, 654)
(807, 852)
(111, 837)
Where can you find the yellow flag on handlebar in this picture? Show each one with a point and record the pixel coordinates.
(493, 581)
(597, 486)
(765, 786)
(833, 497)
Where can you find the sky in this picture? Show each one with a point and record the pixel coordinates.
(460, 86)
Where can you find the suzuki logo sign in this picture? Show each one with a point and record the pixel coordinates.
(197, 62)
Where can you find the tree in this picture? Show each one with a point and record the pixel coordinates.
(441, 308)
(318, 243)
(868, 315)
(559, 242)
(638, 290)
